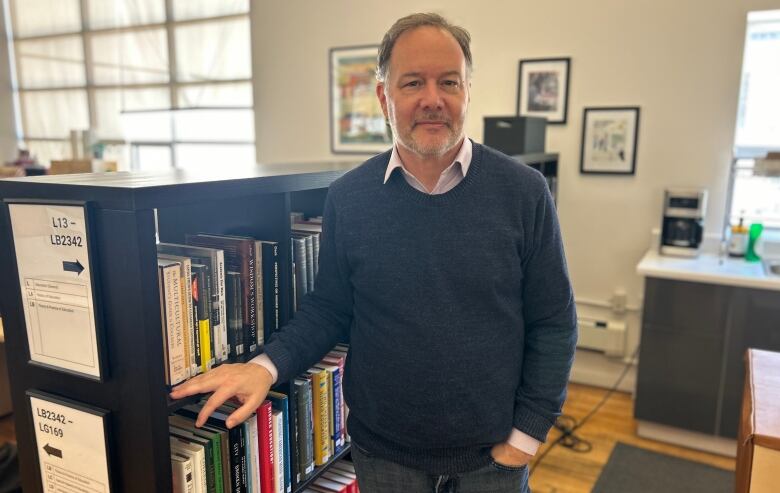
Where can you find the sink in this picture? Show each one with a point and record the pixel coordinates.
(772, 267)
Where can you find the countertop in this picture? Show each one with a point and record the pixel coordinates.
(708, 268)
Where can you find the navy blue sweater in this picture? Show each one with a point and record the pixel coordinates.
(458, 309)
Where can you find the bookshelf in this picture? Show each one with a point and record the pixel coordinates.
(252, 201)
(547, 165)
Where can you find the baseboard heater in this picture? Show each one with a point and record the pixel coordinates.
(608, 336)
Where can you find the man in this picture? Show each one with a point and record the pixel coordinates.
(441, 260)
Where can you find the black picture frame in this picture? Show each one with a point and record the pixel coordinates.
(366, 133)
(533, 74)
(610, 138)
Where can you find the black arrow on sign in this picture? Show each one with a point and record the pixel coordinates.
(53, 451)
(72, 267)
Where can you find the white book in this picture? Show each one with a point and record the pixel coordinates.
(172, 319)
(187, 315)
(278, 444)
(181, 466)
(198, 456)
(255, 453)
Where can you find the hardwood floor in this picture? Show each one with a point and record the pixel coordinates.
(562, 470)
(565, 471)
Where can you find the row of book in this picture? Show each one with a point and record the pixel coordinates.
(219, 298)
(340, 478)
(305, 253)
(257, 456)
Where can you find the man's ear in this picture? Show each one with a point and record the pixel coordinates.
(380, 94)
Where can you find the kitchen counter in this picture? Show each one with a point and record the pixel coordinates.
(708, 268)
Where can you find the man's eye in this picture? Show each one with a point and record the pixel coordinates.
(452, 83)
(413, 83)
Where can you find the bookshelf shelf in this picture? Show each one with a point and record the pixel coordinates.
(253, 201)
(318, 471)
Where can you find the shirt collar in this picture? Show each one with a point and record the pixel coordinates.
(463, 157)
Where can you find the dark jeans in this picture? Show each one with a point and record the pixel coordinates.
(377, 475)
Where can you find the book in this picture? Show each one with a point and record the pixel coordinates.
(197, 454)
(259, 294)
(169, 277)
(349, 484)
(189, 436)
(315, 229)
(309, 263)
(265, 434)
(334, 414)
(202, 306)
(187, 312)
(235, 303)
(214, 258)
(278, 444)
(270, 269)
(300, 269)
(279, 402)
(235, 444)
(239, 254)
(218, 452)
(338, 359)
(320, 415)
(181, 467)
(304, 427)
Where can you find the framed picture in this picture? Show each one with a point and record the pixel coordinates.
(609, 140)
(543, 88)
(357, 124)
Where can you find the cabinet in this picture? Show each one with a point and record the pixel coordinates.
(127, 210)
(694, 336)
(547, 165)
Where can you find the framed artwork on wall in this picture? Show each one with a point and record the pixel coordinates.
(357, 124)
(609, 140)
(543, 88)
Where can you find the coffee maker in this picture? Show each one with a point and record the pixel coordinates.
(683, 222)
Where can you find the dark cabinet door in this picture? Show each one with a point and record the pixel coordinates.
(681, 354)
(678, 378)
(753, 322)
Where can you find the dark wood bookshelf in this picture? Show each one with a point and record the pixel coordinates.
(319, 470)
(125, 209)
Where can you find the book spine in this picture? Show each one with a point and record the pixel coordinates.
(321, 419)
(338, 439)
(173, 313)
(260, 294)
(254, 442)
(220, 309)
(235, 316)
(309, 242)
(265, 423)
(189, 322)
(301, 283)
(304, 429)
(206, 325)
(278, 417)
(235, 459)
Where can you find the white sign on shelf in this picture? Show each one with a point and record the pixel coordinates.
(71, 442)
(52, 257)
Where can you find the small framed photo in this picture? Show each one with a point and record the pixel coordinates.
(357, 124)
(543, 88)
(609, 140)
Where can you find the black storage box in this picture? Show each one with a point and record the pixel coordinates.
(515, 135)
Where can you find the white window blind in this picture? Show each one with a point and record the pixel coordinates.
(133, 73)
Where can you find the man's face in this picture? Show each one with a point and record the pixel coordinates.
(425, 95)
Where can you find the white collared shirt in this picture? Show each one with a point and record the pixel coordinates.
(448, 179)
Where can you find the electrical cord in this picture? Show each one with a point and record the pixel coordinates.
(567, 425)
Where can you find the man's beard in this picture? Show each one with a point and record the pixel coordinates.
(437, 148)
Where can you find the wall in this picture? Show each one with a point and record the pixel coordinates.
(678, 60)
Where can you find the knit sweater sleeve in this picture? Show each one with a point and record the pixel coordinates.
(325, 315)
(550, 323)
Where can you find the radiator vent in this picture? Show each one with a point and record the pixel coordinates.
(608, 336)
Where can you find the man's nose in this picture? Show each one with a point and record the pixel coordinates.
(431, 96)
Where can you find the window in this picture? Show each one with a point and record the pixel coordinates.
(756, 196)
(160, 83)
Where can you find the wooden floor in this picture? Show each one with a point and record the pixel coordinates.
(565, 471)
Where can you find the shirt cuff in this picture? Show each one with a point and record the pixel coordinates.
(264, 361)
(523, 442)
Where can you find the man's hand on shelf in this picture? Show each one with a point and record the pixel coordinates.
(247, 382)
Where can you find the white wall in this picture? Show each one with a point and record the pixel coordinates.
(7, 128)
(679, 60)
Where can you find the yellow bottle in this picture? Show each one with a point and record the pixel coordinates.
(738, 240)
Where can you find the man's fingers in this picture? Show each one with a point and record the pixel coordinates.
(217, 399)
(202, 384)
(242, 413)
